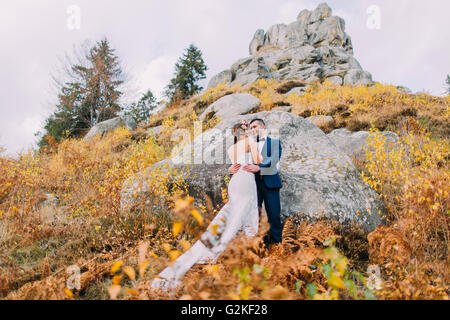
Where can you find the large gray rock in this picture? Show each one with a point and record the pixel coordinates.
(275, 35)
(318, 178)
(336, 80)
(231, 105)
(111, 124)
(358, 77)
(330, 32)
(223, 77)
(353, 144)
(257, 41)
(313, 47)
(297, 90)
(322, 12)
(320, 119)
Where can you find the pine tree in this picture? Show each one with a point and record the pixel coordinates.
(141, 110)
(189, 69)
(90, 97)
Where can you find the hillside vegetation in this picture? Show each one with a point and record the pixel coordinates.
(61, 207)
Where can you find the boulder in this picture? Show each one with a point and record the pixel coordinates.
(336, 80)
(297, 90)
(283, 108)
(111, 124)
(318, 178)
(231, 105)
(357, 77)
(353, 143)
(320, 119)
(224, 77)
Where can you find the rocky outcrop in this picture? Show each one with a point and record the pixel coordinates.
(231, 105)
(318, 178)
(314, 47)
(111, 124)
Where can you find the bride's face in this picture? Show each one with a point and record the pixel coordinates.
(249, 133)
(245, 135)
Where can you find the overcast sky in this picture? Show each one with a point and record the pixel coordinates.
(411, 47)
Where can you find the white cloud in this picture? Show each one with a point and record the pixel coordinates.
(156, 75)
(19, 136)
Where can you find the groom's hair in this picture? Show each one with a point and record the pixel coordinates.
(261, 121)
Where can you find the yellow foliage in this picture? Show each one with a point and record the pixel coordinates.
(173, 254)
(116, 266)
(176, 228)
(197, 215)
(129, 271)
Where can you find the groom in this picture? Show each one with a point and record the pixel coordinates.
(268, 180)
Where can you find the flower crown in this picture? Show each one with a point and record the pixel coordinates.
(244, 123)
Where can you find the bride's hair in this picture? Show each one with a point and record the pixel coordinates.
(239, 130)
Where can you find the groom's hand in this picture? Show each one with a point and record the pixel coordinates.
(251, 168)
(234, 168)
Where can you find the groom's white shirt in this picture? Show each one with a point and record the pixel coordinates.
(261, 146)
(261, 143)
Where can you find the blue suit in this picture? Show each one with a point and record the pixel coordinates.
(268, 183)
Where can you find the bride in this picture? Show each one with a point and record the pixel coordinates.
(240, 213)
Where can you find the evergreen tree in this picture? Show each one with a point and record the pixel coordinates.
(141, 110)
(90, 97)
(189, 69)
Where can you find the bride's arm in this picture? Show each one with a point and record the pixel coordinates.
(253, 146)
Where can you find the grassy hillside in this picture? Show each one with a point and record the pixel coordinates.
(61, 207)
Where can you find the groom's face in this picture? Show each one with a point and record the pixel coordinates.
(257, 128)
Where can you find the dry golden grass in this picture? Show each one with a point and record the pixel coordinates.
(272, 274)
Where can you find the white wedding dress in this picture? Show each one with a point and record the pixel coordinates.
(239, 214)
